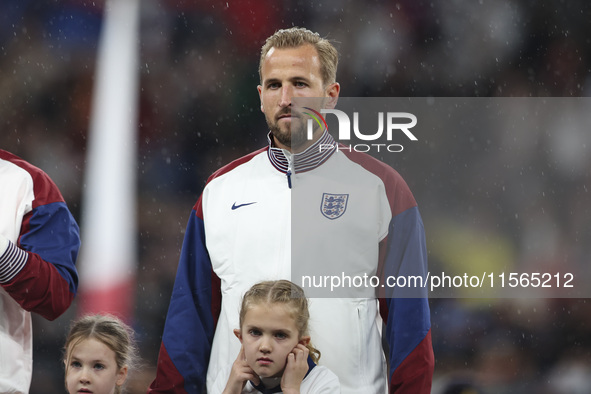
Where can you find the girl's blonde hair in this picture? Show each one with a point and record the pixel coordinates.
(282, 292)
(109, 330)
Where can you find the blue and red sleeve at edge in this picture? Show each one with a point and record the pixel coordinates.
(50, 237)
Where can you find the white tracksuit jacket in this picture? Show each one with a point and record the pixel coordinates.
(271, 215)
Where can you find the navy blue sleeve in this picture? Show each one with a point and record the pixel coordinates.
(191, 319)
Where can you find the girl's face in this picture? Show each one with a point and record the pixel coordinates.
(268, 334)
(93, 369)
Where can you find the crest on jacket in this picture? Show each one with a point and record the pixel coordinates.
(334, 205)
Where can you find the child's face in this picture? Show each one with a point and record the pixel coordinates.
(93, 369)
(268, 334)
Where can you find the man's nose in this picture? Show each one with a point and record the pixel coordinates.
(286, 95)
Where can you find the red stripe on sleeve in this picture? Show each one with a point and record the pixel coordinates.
(168, 380)
(414, 375)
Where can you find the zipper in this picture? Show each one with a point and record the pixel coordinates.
(288, 178)
(290, 171)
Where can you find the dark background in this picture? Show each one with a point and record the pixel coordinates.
(513, 196)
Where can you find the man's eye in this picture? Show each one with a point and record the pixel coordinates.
(255, 333)
(300, 84)
(273, 86)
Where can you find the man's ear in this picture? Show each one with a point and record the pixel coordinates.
(304, 340)
(238, 334)
(332, 91)
(260, 90)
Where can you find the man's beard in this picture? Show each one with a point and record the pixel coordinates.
(293, 136)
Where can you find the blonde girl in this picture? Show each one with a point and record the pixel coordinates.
(276, 353)
(98, 354)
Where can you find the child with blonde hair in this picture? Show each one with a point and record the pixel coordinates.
(98, 355)
(276, 353)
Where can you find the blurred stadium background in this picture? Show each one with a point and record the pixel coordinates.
(198, 109)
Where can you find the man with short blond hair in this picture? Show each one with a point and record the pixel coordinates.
(240, 233)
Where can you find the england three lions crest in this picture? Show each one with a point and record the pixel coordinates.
(334, 205)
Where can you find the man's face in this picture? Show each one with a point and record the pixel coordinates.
(287, 73)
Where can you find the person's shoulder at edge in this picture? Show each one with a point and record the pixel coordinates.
(235, 163)
(396, 187)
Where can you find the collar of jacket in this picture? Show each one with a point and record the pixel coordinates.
(312, 157)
